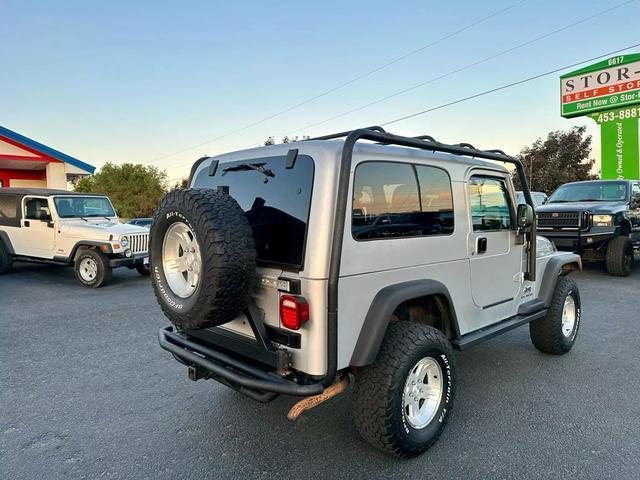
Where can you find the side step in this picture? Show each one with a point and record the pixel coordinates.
(479, 336)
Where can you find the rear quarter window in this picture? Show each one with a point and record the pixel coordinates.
(396, 200)
(9, 211)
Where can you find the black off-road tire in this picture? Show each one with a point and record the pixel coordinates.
(379, 390)
(227, 252)
(546, 332)
(6, 260)
(104, 271)
(619, 256)
(143, 270)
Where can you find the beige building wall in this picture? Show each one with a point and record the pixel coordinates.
(16, 183)
(56, 176)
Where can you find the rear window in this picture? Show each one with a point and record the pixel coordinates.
(276, 201)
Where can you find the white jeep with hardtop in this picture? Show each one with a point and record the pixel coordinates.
(79, 229)
(361, 256)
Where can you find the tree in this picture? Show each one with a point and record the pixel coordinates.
(134, 190)
(563, 157)
(182, 184)
(285, 139)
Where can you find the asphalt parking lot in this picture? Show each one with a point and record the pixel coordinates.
(86, 392)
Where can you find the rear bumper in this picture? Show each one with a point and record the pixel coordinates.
(247, 378)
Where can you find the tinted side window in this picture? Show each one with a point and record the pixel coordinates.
(437, 199)
(400, 200)
(490, 204)
(635, 195)
(9, 211)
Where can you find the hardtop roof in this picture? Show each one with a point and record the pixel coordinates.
(337, 144)
(604, 180)
(44, 192)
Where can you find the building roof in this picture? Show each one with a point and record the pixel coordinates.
(43, 192)
(51, 152)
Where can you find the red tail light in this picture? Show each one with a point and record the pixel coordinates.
(294, 311)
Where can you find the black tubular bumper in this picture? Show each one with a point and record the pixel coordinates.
(578, 240)
(253, 381)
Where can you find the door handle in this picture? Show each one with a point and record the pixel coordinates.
(27, 223)
(481, 245)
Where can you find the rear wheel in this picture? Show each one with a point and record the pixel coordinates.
(402, 402)
(92, 268)
(619, 256)
(556, 332)
(6, 260)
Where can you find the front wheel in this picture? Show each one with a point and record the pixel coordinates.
(92, 268)
(556, 332)
(619, 256)
(402, 402)
(143, 269)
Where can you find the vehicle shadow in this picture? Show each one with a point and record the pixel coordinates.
(63, 275)
(600, 268)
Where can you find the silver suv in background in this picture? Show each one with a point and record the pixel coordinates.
(539, 198)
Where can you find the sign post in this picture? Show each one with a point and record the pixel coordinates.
(609, 93)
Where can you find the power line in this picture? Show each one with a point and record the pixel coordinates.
(458, 70)
(502, 87)
(508, 85)
(346, 83)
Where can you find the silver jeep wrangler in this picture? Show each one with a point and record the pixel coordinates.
(361, 256)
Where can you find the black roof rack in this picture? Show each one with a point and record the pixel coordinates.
(427, 142)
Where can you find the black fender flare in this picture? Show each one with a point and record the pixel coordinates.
(382, 307)
(6, 241)
(555, 268)
(84, 244)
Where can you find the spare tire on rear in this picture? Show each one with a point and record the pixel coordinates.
(202, 258)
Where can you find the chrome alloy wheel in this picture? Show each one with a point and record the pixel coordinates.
(568, 316)
(181, 260)
(422, 393)
(88, 269)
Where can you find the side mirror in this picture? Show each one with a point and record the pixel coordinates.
(525, 216)
(44, 216)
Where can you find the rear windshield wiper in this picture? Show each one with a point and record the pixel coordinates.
(244, 167)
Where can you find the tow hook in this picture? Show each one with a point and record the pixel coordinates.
(311, 402)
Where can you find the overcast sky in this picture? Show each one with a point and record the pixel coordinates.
(136, 81)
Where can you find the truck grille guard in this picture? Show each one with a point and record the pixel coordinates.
(577, 220)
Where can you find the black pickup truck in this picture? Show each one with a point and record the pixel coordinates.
(598, 219)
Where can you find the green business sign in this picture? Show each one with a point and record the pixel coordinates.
(609, 92)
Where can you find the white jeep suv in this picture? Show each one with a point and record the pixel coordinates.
(56, 226)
